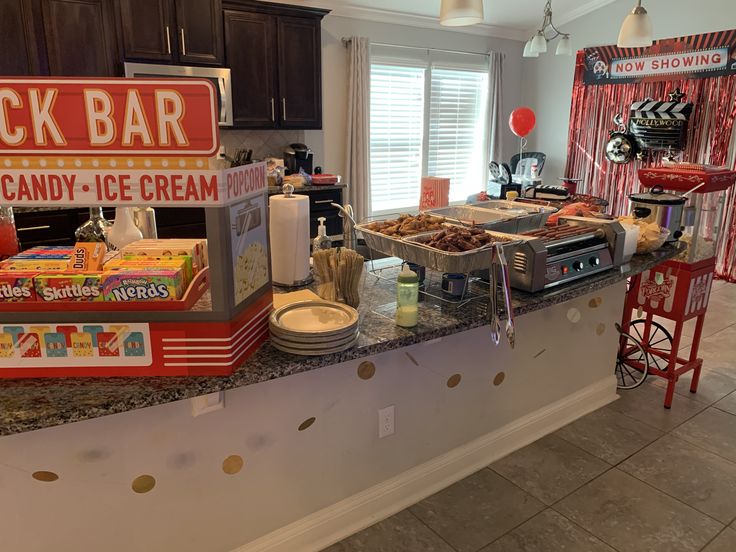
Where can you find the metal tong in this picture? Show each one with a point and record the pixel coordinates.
(499, 263)
(506, 282)
(494, 318)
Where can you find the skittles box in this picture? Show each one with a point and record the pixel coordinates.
(17, 286)
(143, 285)
(68, 287)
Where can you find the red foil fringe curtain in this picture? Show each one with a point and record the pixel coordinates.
(709, 141)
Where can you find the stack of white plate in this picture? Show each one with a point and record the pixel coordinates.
(314, 327)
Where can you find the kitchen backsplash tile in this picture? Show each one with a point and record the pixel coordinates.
(264, 143)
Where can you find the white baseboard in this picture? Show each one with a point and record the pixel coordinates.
(344, 518)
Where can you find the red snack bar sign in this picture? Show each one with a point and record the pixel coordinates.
(53, 116)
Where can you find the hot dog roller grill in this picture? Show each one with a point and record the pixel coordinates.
(551, 256)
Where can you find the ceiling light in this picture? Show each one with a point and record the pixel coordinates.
(563, 47)
(528, 53)
(459, 13)
(636, 30)
(538, 43)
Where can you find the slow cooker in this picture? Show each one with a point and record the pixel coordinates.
(663, 208)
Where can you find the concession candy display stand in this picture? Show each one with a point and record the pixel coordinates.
(124, 143)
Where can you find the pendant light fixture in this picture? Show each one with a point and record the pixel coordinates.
(528, 50)
(538, 43)
(636, 30)
(460, 13)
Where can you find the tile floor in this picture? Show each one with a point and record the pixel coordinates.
(629, 477)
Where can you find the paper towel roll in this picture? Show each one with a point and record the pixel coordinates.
(289, 238)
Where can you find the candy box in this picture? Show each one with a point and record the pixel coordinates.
(17, 287)
(143, 285)
(87, 257)
(41, 265)
(68, 287)
(179, 261)
(194, 248)
(152, 266)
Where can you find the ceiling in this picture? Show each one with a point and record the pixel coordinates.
(503, 18)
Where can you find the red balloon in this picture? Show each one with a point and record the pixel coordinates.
(522, 121)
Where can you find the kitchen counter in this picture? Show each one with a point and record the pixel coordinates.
(27, 405)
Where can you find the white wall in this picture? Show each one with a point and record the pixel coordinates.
(329, 143)
(548, 78)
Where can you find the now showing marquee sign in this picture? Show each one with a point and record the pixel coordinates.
(113, 117)
(696, 56)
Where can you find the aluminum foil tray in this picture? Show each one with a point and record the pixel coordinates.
(394, 247)
(469, 215)
(446, 261)
(497, 215)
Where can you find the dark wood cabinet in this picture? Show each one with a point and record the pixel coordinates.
(274, 52)
(146, 29)
(300, 72)
(80, 38)
(251, 58)
(199, 23)
(18, 40)
(188, 32)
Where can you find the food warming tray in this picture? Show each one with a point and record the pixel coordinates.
(497, 215)
(412, 249)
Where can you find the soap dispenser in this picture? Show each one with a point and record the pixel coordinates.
(322, 241)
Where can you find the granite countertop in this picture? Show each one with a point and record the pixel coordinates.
(30, 404)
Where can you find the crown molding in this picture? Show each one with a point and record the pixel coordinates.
(584, 9)
(338, 9)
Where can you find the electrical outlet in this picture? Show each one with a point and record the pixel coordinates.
(386, 422)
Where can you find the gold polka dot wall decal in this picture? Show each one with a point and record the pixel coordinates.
(573, 315)
(143, 484)
(232, 464)
(595, 302)
(366, 370)
(306, 424)
(600, 329)
(498, 380)
(45, 476)
(454, 380)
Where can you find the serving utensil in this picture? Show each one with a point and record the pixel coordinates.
(506, 283)
(494, 318)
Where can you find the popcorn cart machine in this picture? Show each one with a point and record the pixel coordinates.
(677, 290)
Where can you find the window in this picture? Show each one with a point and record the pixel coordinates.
(428, 116)
(397, 128)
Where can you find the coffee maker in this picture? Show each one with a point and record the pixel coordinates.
(298, 156)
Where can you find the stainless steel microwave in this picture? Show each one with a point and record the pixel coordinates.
(220, 77)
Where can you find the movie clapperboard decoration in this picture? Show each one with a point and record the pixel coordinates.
(658, 125)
